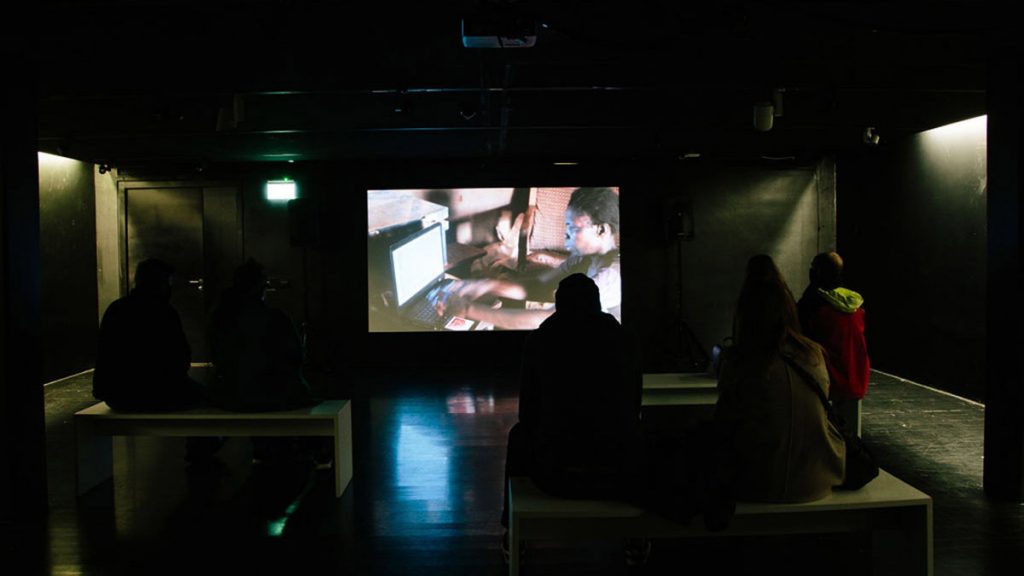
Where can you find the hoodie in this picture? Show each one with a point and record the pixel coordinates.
(835, 319)
(842, 299)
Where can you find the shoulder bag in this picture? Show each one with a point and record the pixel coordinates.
(861, 466)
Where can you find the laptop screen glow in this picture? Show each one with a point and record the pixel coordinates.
(417, 262)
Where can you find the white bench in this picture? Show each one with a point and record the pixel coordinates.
(887, 502)
(679, 389)
(676, 380)
(97, 425)
(675, 401)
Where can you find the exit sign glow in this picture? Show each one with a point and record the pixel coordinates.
(281, 190)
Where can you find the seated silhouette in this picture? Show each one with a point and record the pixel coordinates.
(578, 434)
(143, 358)
(257, 353)
(784, 447)
(257, 358)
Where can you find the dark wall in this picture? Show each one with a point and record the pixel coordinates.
(912, 229)
(786, 211)
(67, 221)
(22, 445)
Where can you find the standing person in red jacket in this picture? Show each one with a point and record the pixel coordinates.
(833, 317)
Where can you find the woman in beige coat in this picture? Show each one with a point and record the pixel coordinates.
(784, 447)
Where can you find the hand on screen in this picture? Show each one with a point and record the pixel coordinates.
(473, 289)
(448, 301)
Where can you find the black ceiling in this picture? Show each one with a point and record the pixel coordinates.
(155, 81)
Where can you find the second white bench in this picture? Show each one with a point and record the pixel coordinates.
(97, 425)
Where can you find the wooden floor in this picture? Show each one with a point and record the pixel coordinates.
(426, 496)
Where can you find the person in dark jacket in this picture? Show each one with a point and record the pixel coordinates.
(143, 358)
(257, 358)
(578, 434)
(833, 317)
(257, 352)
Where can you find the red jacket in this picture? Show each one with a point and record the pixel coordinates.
(842, 336)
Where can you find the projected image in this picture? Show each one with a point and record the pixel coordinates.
(486, 258)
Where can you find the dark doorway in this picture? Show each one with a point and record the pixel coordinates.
(197, 230)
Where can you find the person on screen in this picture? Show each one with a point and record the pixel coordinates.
(579, 432)
(591, 228)
(143, 357)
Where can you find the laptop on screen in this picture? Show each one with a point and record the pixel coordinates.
(417, 268)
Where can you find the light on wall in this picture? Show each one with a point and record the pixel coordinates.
(970, 128)
(52, 160)
(282, 190)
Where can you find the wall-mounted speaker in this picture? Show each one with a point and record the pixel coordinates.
(764, 116)
(679, 219)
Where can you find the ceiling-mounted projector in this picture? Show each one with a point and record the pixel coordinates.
(498, 31)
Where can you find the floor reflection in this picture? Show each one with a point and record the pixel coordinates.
(465, 401)
(421, 463)
(439, 466)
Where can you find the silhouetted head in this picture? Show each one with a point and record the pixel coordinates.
(591, 221)
(577, 294)
(827, 271)
(765, 312)
(250, 280)
(153, 277)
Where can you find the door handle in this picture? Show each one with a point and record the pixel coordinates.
(198, 283)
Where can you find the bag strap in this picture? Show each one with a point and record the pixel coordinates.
(810, 381)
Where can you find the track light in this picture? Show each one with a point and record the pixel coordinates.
(870, 137)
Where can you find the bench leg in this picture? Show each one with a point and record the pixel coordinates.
(514, 533)
(343, 450)
(917, 525)
(95, 457)
(513, 545)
